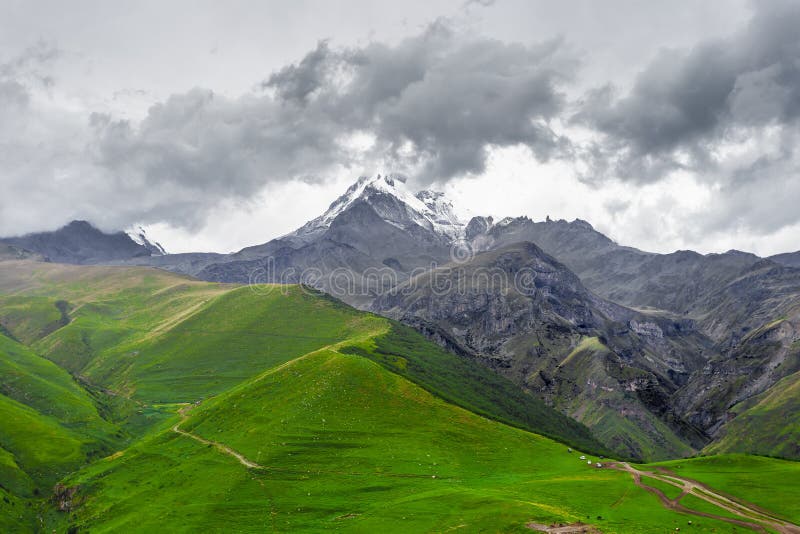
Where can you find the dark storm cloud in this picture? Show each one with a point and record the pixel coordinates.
(200, 148)
(432, 103)
(449, 100)
(297, 82)
(686, 103)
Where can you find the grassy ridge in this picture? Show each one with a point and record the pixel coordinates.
(29, 318)
(470, 385)
(41, 446)
(234, 336)
(50, 424)
(31, 380)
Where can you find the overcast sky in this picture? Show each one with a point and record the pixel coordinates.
(216, 125)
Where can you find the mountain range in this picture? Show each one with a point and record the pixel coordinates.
(660, 355)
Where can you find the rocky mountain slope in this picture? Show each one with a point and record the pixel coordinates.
(789, 259)
(767, 424)
(674, 282)
(748, 307)
(12, 252)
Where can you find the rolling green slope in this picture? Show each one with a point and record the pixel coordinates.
(50, 425)
(336, 441)
(40, 446)
(124, 344)
(16, 513)
(231, 338)
(469, 384)
(40, 384)
(768, 424)
(14, 479)
(29, 318)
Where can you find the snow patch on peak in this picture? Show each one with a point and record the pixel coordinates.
(441, 207)
(139, 236)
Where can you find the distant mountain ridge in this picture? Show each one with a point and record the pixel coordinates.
(789, 259)
(377, 227)
(81, 243)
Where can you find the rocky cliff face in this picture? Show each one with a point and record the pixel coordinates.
(530, 318)
(755, 320)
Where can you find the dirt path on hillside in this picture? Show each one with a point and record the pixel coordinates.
(241, 458)
(752, 516)
(219, 446)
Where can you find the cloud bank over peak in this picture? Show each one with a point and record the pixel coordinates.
(429, 106)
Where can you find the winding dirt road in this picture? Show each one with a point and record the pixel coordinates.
(752, 517)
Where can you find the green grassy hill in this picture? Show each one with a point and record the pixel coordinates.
(40, 384)
(341, 443)
(156, 338)
(50, 424)
(468, 384)
(164, 403)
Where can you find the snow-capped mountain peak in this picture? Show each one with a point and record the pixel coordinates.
(395, 203)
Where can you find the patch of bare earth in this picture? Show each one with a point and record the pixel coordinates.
(574, 528)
